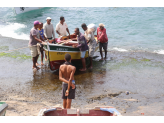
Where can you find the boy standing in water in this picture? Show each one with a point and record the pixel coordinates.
(42, 37)
(66, 75)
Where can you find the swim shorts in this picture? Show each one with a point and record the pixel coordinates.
(104, 45)
(35, 50)
(83, 54)
(71, 91)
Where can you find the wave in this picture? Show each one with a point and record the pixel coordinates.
(120, 49)
(159, 51)
(10, 29)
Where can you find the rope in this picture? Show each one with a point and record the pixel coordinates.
(13, 50)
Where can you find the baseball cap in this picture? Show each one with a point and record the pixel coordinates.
(48, 18)
(36, 22)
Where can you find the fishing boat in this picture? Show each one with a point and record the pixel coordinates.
(97, 111)
(56, 53)
(3, 108)
(19, 10)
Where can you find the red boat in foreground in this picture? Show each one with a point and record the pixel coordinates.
(97, 111)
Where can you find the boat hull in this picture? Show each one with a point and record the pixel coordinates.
(19, 10)
(3, 108)
(97, 111)
(56, 54)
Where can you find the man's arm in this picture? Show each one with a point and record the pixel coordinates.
(45, 31)
(53, 32)
(88, 38)
(57, 32)
(37, 39)
(70, 81)
(57, 28)
(41, 38)
(71, 78)
(68, 32)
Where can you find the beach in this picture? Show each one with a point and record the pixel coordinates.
(139, 73)
(134, 64)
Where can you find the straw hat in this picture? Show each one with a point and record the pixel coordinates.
(101, 24)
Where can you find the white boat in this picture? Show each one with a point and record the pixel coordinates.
(19, 10)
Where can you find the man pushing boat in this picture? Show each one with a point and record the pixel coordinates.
(66, 75)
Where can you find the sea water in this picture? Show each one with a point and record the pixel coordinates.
(128, 28)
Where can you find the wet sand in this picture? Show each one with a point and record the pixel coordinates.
(140, 73)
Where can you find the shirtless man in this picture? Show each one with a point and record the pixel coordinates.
(66, 75)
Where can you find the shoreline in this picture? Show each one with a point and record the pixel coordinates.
(140, 73)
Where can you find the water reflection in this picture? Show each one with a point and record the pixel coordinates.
(45, 80)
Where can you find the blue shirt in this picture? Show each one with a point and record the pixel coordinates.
(41, 33)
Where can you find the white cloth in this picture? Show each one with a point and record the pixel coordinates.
(62, 28)
(48, 30)
(93, 27)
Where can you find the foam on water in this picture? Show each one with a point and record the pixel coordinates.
(159, 51)
(129, 28)
(10, 29)
(119, 49)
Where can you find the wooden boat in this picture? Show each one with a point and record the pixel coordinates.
(3, 108)
(19, 10)
(97, 111)
(56, 53)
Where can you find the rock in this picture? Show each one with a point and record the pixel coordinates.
(127, 92)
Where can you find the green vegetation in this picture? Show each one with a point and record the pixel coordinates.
(15, 55)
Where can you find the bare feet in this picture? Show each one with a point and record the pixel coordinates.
(42, 64)
(101, 59)
(90, 67)
(105, 58)
(82, 69)
(35, 68)
(37, 64)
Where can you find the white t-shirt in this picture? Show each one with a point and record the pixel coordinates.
(62, 28)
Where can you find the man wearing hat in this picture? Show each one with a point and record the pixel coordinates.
(34, 39)
(49, 30)
(102, 39)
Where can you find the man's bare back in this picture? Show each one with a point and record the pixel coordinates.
(66, 74)
(66, 71)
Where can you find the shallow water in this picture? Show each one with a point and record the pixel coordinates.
(140, 73)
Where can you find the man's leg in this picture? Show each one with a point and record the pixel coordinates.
(90, 66)
(45, 56)
(100, 48)
(34, 62)
(105, 49)
(101, 54)
(64, 103)
(83, 61)
(41, 57)
(37, 61)
(105, 54)
(68, 103)
(84, 65)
